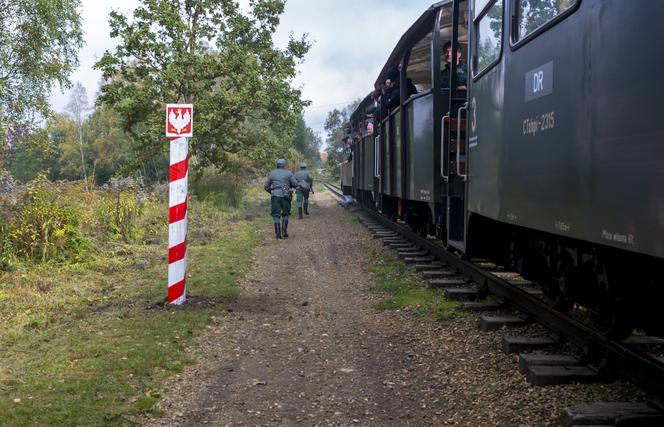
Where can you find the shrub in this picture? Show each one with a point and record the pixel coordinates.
(44, 227)
(119, 208)
(222, 190)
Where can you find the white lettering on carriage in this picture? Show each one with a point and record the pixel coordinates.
(542, 123)
(538, 81)
(627, 239)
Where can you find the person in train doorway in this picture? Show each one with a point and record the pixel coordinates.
(305, 184)
(279, 183)
(462, 68)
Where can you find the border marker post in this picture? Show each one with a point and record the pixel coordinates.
(179, 128)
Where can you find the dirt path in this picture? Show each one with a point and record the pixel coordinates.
(303, 343)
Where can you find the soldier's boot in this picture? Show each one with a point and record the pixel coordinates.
(306, 208)
(284, 228)
(299, 213)
(277, 230)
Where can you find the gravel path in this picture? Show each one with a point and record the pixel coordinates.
(303, 345)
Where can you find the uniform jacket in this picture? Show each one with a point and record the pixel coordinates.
(304, 176)
(279, 182)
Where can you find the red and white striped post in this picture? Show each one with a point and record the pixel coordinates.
(179, 126)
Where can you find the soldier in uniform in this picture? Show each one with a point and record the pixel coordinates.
(279, 183)
(305, 184)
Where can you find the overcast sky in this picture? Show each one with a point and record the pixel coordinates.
(352, 40)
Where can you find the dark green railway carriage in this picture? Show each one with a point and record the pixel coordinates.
(554, 147)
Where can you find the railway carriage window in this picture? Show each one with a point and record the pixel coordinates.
(489, 27)
(532, 14)
(446, 32)
(419, 64)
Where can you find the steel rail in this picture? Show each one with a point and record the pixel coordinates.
(642, 370)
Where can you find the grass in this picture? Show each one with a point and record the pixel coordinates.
(350, 219)
(88, 344)
(405, 290)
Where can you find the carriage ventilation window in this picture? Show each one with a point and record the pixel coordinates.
(533, 14)
(489, 40)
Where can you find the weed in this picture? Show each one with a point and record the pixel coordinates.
(406, 291)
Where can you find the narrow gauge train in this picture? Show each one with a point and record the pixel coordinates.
(549, 160)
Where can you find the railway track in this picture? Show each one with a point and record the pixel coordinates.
(609, 358)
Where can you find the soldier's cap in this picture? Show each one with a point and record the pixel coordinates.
(303, 165)
(281, 162)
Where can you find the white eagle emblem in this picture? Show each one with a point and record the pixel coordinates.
(179, 121)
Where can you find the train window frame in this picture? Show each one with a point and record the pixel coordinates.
(476, 21)
(411, 59)
(514, 22)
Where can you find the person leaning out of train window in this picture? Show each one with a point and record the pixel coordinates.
(462, 68)
(279, 183)
(392, 83)
(369, 120)
(377, 94)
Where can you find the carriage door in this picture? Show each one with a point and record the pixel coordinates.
(458, 106)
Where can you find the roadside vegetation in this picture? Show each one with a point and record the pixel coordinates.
(405, 290)
(86, 334)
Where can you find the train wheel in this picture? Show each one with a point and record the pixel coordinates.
(613, 320)
(557, 297)
(558, 290)
(612, 312)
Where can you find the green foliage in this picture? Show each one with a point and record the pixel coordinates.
(34, 154)
(307, 143)
(45, 227)
(336, 124)
(38, 47)
(219, 189)
(209, 53)
(60, 148)
(109, 146)
(117, 213)
(60, 222)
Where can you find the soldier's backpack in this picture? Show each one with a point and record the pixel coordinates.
(303, 186)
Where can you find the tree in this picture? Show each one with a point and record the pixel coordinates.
(208, 53)
(77, 107)
(336, 123)
(110, 146)
(38, 48)
(34, 154)
(307, 142)
(64, 136)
